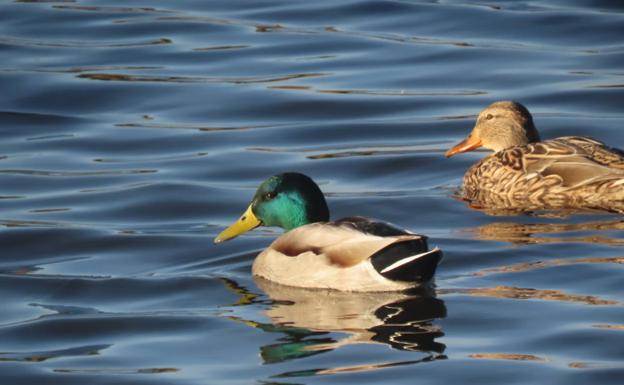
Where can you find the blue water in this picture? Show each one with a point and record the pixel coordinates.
(133, 132)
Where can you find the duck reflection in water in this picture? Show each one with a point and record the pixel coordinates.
(401, 320)
(495, 205)
(600, 231)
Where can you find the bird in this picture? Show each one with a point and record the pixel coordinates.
(355, 254)
(570, 172)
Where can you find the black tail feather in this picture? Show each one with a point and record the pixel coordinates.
(407, 261)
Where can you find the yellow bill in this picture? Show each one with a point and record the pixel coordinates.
(247, 221)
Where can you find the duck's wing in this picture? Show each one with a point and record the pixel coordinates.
(408, 258)
(353, 249)
(345, 242)
(569, 162)
(372, 227)
(597, 151)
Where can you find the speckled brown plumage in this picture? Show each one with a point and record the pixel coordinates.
(562, 172)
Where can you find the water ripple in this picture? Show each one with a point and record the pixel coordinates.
(509, 292)
(132, 133)
(10, 40)
(107, 9)
(63, 174)
(41, 356)
(199, 79)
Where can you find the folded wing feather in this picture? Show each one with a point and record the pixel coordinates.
(570, 159)
(342, 245)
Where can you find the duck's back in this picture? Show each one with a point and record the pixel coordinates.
(351, 254)
(564, 172)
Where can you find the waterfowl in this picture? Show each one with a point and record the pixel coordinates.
(566, 172)
(349, 254)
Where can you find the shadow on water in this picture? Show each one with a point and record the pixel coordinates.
(304, 319)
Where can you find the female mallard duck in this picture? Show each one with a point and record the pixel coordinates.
(350, 254)
(567, 172)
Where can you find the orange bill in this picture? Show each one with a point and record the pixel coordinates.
(468, 144)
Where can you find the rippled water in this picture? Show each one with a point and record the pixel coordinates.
(134, 131)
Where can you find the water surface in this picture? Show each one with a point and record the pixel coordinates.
(134, 131)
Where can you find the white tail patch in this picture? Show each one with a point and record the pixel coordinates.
(619, 182)
(531, 176)
(408, 260)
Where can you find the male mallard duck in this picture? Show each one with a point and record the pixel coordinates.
(567, 172)
(350, 254)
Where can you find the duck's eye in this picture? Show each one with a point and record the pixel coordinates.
(489, 117)
(270, 195)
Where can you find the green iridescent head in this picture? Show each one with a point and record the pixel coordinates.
(286, 200)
